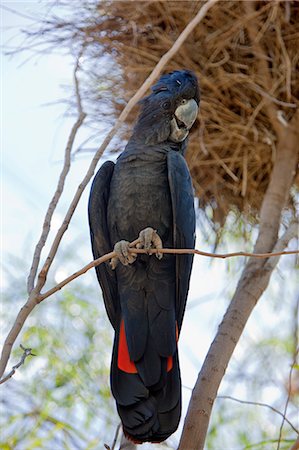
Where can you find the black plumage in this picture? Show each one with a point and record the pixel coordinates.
(149, 186)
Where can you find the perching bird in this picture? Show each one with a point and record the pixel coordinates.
(149, 189)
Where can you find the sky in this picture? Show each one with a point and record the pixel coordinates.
(34, 132)
(33, 135)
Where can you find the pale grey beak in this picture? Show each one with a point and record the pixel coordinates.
(184, 117)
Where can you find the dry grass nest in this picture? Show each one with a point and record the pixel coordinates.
(245, 55)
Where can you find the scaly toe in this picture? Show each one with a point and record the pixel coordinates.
(149, 238)
(121, 248)
(145, 237)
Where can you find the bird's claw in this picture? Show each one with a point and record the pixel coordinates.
(121, 249)
(149, 238)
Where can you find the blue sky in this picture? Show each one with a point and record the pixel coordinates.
(34, 134)
(31, 133)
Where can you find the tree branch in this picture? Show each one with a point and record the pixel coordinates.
(253, 282)
(287, 400)
(114, 440)
(27, 352)
(294, 362)
(30, 304)
(116, 436)
(265, 405)
(177, 251)
(60, 186)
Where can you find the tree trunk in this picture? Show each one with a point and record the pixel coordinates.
(253, 282)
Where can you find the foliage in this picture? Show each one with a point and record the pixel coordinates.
(60, 398)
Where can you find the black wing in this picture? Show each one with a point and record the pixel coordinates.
(100, 239)
(183, 225)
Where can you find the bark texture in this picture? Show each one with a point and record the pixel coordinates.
(253, 282)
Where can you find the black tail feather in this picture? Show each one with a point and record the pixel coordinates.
(148, 414)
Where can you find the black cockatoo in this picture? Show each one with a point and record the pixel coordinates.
(149, 189)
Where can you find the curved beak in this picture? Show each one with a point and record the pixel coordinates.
(187, 113)
(184, 117)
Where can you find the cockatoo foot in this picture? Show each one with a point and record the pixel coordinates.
(149, 238)
(121, 248)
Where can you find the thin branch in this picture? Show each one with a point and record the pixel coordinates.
(27, 352)
(33, 300)
(290, 233)
(65, 426)
(60, 186)
(76, 82)
(294, 362)
(115, 436)
(38, 298)
(176, 251)
(18, 13)
(287, 400)
(265, 405)
(261, 444)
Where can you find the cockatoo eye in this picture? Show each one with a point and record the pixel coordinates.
(184, 101)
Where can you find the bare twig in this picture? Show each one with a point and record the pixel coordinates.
(35, 292)
(76, 82)
(60, 186)
(176, 251)
(294, 362)
(265, 405)
(31, 303)
(115, 436)
(27, 352)
(287, 401)
(18, 13)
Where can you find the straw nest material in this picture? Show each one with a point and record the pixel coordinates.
(245, 55)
